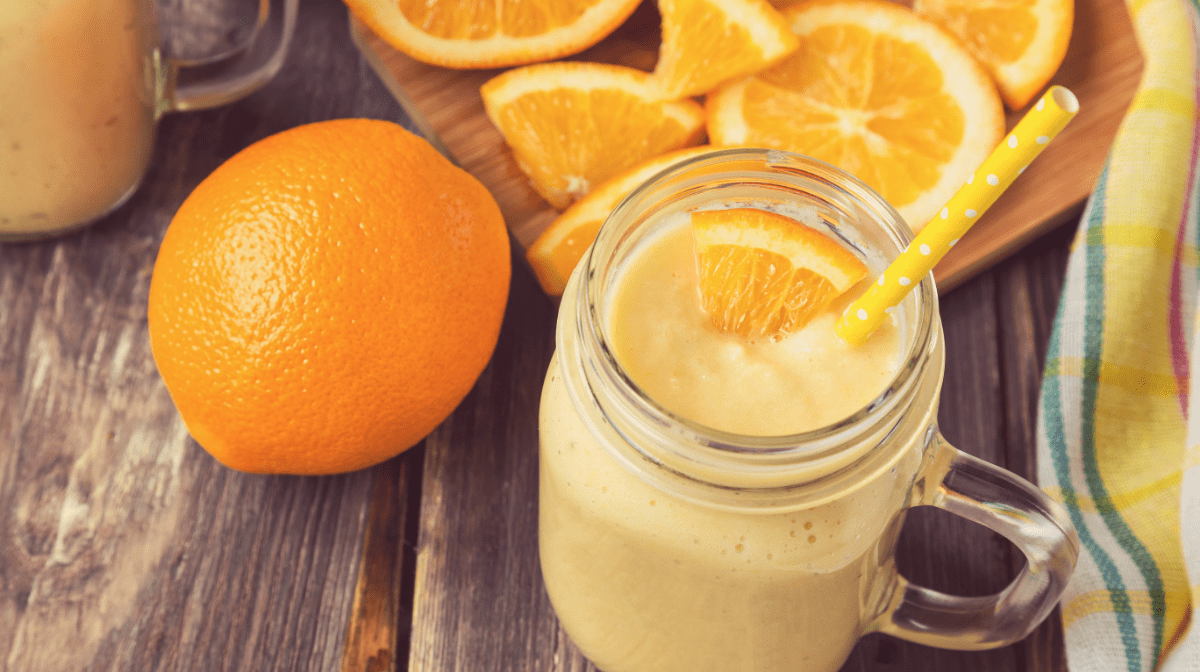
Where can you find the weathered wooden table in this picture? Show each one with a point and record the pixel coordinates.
(124, 546)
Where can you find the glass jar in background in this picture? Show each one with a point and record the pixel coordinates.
(669, 546)
(82, 86)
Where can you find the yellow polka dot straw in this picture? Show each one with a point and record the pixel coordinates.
(1027, 139)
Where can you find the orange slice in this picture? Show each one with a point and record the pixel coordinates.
(572, 126)
(764, 274)
(706, 42)
(562, 245)
(1020, 42)
(877, 91)
(491, 33)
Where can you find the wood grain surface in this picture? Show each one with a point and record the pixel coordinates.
(1102, 67)
(124, 546)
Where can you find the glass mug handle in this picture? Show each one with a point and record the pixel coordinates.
(204, 83)
(1008, 504)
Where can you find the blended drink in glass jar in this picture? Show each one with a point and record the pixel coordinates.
(805, 572)
(82, 84)
(712, 502)
(76, 110)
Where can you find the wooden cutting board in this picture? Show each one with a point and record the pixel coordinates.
(1102, 67)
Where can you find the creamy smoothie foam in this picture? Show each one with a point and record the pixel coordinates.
(664, 341)
(644, 581)
(76, 110)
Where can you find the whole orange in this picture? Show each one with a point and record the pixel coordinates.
(326, 297)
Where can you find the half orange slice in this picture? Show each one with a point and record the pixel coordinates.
(491, 33)
(707, 42)
(766, 275)
(574, 125)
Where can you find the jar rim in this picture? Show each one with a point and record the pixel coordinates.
(811, 444)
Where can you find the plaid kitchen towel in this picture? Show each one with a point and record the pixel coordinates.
(1119, 418)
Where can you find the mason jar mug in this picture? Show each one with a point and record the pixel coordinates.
(667, 545)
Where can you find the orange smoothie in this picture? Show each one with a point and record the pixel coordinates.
(76, 110)
(645, 581)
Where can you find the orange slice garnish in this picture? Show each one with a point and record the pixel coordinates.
(762, 274)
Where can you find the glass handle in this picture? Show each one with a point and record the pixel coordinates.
(1010, 505)
(197, 85)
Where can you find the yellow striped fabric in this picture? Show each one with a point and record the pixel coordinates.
(1119, 416)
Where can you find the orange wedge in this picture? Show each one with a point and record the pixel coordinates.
(877, 91)
(706, 42)
(561, 246)
(764, 274)
(1020, 42)
(491, 33)
(571, 126)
